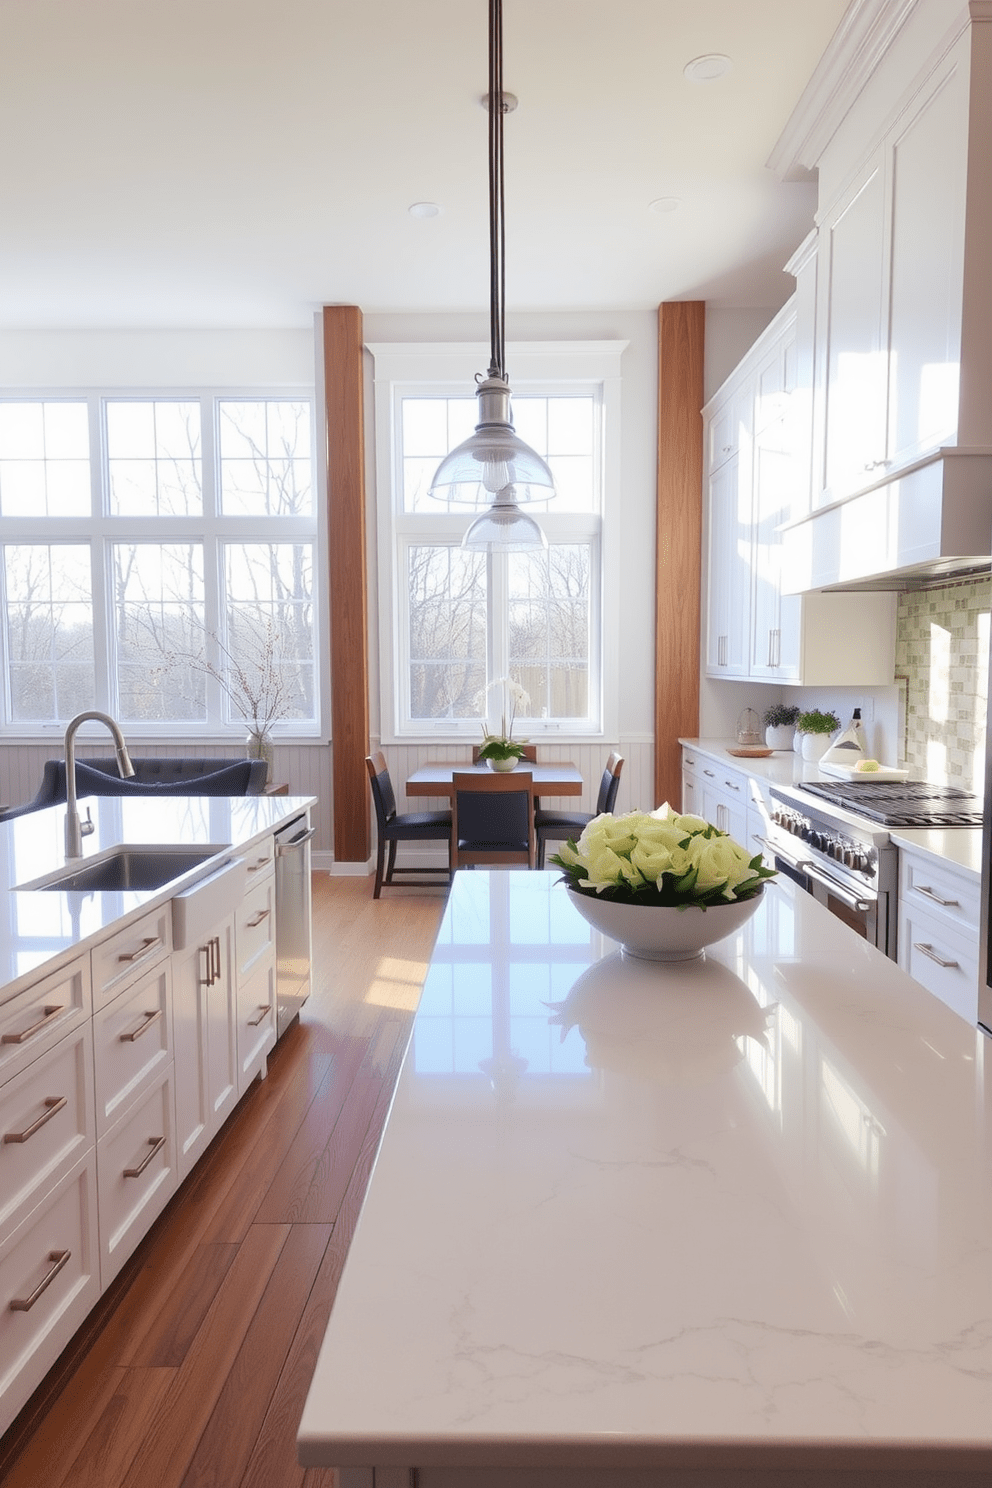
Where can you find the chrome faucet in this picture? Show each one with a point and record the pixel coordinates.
(75, 830)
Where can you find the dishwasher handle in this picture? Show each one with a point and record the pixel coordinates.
(283, 849)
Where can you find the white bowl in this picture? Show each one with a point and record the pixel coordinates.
(657, 933)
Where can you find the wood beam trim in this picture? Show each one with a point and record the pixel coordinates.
(681, 326)
(345, 435)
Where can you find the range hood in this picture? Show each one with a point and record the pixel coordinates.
(930, 524)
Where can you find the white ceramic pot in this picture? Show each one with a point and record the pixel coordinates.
(815, 746)
(657, 933)
(503, 765)
(780, 735)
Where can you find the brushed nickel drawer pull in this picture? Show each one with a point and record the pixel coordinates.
(22, 1038)
(215, 969)
(263, 1013)
(263, 914)
(932, 894)
(207, 979)
(155, 1144)
(53, 1105)
(149, 944)
(259, 864)
(25, 1304)
(147, 1019)
(927, 950)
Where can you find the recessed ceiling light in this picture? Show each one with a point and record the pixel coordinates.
(708, 68)
(424, 209)
(664, 204)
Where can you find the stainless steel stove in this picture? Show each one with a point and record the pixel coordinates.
(832, 838)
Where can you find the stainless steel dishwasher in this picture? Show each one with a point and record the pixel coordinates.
(292, 843)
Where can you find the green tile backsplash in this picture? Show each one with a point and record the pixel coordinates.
(942, 660)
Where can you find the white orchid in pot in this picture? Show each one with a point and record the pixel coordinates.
(664, 885)
(499, 748)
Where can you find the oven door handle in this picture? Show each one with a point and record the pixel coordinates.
(839, 890)
(814, 871)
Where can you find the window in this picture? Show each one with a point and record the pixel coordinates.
(459, 619)
(158, 561)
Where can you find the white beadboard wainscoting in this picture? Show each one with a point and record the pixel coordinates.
(636, 792)
(306, 769)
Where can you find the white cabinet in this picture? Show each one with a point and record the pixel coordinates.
(204, 981)
(254, 935)
(753, 628)
(49, 1261)
(939, 908)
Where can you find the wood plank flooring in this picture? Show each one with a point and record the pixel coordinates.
(193, 1369)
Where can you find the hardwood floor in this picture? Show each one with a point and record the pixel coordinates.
(194, 1367)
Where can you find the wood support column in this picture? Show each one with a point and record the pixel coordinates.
(345, 431)
(679, 539)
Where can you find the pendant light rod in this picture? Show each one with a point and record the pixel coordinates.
(497, 215)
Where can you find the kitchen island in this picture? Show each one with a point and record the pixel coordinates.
(138, 1002)
(721, 1223)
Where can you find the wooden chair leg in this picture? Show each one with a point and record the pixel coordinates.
(380, 859)
(392, 862)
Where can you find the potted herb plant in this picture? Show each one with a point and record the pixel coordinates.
(780, 725)
(816, 728)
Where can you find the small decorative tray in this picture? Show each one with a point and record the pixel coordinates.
(750, 751)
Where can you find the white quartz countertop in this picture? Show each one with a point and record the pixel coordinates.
(961, 847)
(43, 927)
(784, 767)
(639, 1215)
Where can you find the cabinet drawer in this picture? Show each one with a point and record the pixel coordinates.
(46, 1122)
(39, 1017)
(943, 960)
(132, 1043)
(48, 1283)
(949, 897)
(129, 953)
(259, 858)
(256, 1022)
(136, 1169)
(254, 926)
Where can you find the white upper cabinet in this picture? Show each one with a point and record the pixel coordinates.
(902, 366)
(753, 630)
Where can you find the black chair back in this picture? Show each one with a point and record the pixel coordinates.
(383, 796)
(609, 785)
(493, 818)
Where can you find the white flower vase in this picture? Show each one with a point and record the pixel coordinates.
(815, 746)
(780, 735)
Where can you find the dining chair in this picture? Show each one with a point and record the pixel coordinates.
(561, 825)
(492, 819)
(408, 826)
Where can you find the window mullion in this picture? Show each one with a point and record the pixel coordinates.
(101, 566)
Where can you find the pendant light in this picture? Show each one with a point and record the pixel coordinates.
(494, 466)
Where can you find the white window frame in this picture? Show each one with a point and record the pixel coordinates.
(450, 370)
(100, 530)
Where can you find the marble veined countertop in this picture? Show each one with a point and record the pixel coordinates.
(39, 929)
(730, 1214)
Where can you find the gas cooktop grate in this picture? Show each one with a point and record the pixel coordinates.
(903, 803)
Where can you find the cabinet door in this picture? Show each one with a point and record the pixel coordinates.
(774, 639)
(854, 373)
(206, 1051)
(928, 166)
(256, 1021)
(729, 570)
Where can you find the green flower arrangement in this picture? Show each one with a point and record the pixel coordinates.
(815, 722)
(660, 858)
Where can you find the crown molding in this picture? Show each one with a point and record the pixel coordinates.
(866, 31)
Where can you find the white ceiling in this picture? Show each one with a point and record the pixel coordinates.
(240, 162)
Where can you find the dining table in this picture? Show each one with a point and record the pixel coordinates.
(553, 778)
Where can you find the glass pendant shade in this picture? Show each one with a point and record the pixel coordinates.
(504, 528)
(492, 458)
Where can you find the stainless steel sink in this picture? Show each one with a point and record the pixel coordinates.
(126, 868)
